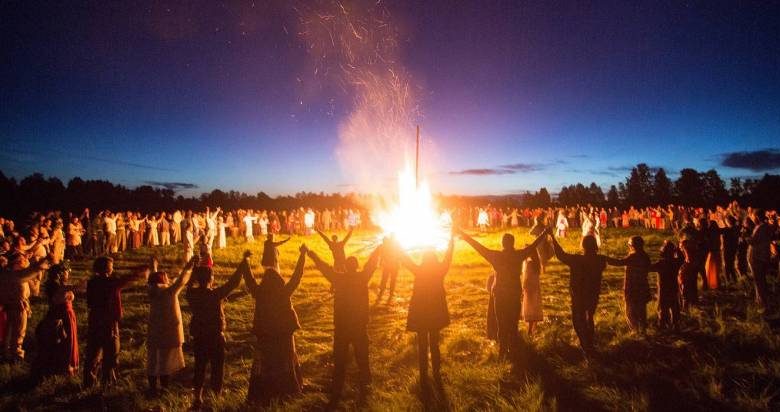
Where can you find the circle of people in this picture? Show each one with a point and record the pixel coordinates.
(731, 241)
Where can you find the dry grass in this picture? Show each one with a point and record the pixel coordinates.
(725, 358)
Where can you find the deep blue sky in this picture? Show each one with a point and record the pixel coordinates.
(209, 94)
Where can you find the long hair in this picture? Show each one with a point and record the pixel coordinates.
(55, 279)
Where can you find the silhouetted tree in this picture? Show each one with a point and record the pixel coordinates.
(662, 188)
(714, 189)
(688, 188)
(639, 186)
(613, 198)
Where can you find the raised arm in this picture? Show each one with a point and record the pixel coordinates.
(526, 251)
(373, 261)
(232, 283)
(617, 262)
(29, 273)
(560, 254)
(282, 242)
(349, 235)
(323, 267)
(323, 236)
(184, 276)
(249, 279)
(482, 250)
(295, 280)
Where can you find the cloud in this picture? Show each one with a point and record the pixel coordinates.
(172, 185)
(524, 167)
(756, 161)
(483, 172)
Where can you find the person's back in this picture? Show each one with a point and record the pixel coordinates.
(103, 304)
(208, 316)
(274, 313)
(350, 295)
(586, 274)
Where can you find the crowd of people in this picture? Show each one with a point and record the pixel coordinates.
(718, 246)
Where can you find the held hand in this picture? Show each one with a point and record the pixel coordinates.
(304, 249)
(247, 254)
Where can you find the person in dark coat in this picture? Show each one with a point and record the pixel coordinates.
(276, 372)
(270, 259)
(636, 289)
(730, 244)
(584, 287)
(743, 244)
(207, 325)
(688, 275)
(506, 292)
(759, 255)
(668, 267)
(57, 333)
(104, 304)
(390, 262)
(428, 312)
(350, 316)
(336, 247)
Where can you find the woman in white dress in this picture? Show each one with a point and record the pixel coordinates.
(164, 355)
(561, 225)
(154, 239)
(249, 220)
(532, 292)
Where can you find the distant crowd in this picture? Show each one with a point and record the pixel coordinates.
(719, 246)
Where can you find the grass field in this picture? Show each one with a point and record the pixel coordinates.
(726, 356)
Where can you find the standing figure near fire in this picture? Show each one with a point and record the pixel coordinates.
(104, 304)
(57, 333)
(506, 293)
(391, 264)
(584, 286)
(336, 247)
(165, 336)
(270, 259)
(668, 267)
(636, 289)
(350, 316)
(207, 325)
(759, 253)
(275, 370)
(428, 312)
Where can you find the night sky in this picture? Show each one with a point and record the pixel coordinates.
(512, 96)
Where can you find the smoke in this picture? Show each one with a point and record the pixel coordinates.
(354, 47)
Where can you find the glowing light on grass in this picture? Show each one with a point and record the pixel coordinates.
(414, 220)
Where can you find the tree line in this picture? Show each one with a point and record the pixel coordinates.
(644, 186)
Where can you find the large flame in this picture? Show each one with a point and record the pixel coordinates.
(414, 220)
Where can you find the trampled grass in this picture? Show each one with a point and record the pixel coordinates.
(726, 356)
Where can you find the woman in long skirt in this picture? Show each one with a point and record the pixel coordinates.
(57, 333)
(532, 292)
(428, 312)
(164, 355)
(276, 372)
